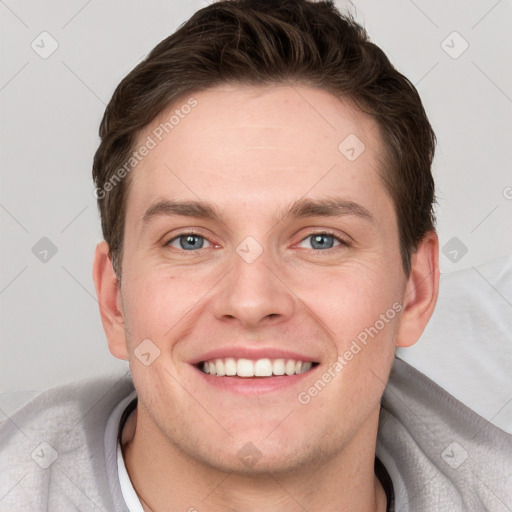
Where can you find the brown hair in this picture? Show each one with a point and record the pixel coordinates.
(262, 42)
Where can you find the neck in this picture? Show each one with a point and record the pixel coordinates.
(162, 474)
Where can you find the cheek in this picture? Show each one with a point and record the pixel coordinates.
(361, 309)
(351, 298)
(360, 305)
(158, 302)
(151, 305)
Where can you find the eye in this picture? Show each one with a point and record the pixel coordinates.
(190, 241)
(187, 241)
(324, 240)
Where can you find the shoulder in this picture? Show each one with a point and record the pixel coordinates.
(56, 441)
(440, 454)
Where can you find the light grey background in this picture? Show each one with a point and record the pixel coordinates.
(51, 109)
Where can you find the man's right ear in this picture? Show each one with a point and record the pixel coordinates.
(109, 298)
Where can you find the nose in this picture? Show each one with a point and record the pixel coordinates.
(255, 293)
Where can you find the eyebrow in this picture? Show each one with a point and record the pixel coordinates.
(302, 208)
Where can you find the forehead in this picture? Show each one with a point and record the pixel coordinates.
(245, 145)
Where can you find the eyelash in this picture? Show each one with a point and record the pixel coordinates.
(343, 243)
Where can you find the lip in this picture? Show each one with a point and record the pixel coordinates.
(253, 385)
(253, 354)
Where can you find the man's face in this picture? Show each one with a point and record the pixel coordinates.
(257, 284)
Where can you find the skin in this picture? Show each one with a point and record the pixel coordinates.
(252, 151)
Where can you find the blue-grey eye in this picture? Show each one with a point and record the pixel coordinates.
(188, 241)
(323, 240)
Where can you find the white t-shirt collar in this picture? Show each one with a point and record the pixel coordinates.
(113, 446)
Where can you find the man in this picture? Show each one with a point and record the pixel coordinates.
(265, 189)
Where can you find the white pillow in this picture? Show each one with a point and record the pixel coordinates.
(467, 345)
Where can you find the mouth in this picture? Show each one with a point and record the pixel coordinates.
(260, 368)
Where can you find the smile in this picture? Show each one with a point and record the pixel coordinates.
(232, 367)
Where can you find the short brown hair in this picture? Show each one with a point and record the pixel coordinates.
(256, 42)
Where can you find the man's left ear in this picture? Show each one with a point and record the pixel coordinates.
(421, 291)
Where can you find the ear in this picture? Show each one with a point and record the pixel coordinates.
(421, 291)
(109, 298)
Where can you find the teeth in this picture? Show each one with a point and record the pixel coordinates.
(263, 368)
(221, 370)
(306, 367)
(230, 366)
(278, 367)
(260, 368)
(245, 368)
(289, 367)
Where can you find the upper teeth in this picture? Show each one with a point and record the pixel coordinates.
(249, 368)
